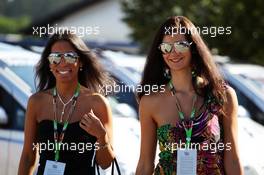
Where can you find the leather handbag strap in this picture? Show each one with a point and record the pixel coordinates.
(114, 164)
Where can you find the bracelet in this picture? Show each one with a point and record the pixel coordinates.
(104, 146)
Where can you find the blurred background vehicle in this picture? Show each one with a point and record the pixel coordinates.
(248, 82)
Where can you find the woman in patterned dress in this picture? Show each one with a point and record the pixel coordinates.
(192, 96)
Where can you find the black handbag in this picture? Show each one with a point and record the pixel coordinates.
(114, 164)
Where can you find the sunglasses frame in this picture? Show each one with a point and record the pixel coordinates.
(69, 57)
(185, 45)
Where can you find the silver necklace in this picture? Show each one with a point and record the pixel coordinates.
(64, 105)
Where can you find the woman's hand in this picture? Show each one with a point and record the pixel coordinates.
(100, 125)
(92, 125)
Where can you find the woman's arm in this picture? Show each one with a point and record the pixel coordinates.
(148, 138)
(232, 162)
(28, 157)
(99, 124)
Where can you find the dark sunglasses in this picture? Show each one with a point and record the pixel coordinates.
(69, 57)
(181, 46)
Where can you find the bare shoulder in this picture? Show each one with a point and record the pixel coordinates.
(148, 104)
(34, 98)
(231, 104)
(37, 97)
(99, 100)
(152, 100)
(100, 106)
(93, 98)
(34, 106)
(230, 92)
(231, 96)
(95, 101)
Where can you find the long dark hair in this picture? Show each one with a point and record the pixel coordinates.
(92, 75)
(201, 61)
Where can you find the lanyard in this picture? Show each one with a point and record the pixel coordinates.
(188, 125)
(58, 138)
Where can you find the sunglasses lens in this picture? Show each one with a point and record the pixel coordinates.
(165, 48)
(182, 46)
(70, 57)
(54, 58)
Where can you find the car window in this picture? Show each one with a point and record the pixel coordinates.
(15, 112)
(26, 73)
(243, 100)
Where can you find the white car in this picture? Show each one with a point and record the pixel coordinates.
(16, 85)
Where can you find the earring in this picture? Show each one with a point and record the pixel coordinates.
(81, 69)
(199, 81)
(167, 73)
(193, 73)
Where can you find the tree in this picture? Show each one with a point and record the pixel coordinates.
(15, 15)
(13, 25)
(245, 17)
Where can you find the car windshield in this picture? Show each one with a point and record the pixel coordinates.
(26, 73)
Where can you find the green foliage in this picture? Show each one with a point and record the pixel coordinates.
(36, 9)
(245, 17)
(15, 15)
(12, 25)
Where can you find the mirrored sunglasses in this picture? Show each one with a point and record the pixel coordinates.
(181, 46)
(69, 57)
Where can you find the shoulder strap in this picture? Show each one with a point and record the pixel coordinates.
(114, 164)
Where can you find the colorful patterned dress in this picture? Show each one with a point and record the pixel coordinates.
(206, 134)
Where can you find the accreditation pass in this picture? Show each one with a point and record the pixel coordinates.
(186, 161)
(54, 168)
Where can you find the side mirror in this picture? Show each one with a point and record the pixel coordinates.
(243, 112)
(3, 116)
